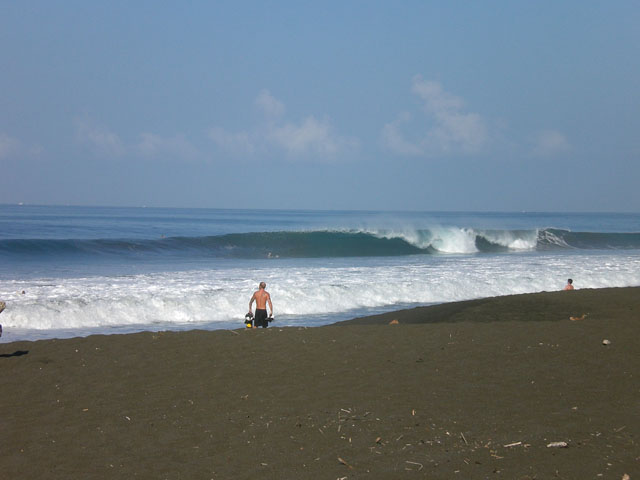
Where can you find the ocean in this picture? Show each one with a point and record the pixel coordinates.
(75, 271)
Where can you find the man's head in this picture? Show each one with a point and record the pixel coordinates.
(569, 281)
(263, 285)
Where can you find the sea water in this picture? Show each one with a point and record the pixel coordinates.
(75, 271)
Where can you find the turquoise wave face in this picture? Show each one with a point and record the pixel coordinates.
(588, 240)
(324, 244)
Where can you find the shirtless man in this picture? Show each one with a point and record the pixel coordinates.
(261, 297)
(569, 285)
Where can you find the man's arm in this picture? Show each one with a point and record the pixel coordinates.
(253, 297)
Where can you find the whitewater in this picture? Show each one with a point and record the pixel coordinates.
(76, 271)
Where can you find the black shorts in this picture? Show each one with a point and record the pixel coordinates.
(260, 319)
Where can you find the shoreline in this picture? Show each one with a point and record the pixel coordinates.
(563, 302)
(473, 389)
(432, 313)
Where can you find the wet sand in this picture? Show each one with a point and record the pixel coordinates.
(465, 390)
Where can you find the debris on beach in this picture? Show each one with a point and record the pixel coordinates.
(606, 342)
(575, 319)
(558, 445)
(394, 322)
(419, 465)
(514, 444)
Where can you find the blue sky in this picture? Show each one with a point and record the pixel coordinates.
(411, 105)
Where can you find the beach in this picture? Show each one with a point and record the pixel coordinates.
(476, 389)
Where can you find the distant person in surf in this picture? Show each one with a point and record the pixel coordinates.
(262, 298)
(569, 285)
(2, 307)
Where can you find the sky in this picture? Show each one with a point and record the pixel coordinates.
(337, 105)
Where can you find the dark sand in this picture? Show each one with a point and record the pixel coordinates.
(466, 390)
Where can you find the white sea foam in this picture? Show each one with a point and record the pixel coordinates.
(522, 240)
(454, 240)
(461, 240)
(303, 293)
(442, 239)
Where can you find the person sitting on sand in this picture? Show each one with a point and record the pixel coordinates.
(261, 297)
(569, 285)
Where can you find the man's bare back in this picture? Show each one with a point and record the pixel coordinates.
(262, 298)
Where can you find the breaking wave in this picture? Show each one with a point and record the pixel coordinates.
(324, 244)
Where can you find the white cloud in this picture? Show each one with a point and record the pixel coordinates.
(311, 137)
(455, 130)
(152, 145)
(270, 105)
(8, 145)
(393, 138)
(100, 139)
(550, 142)
(107, 143)
(437, 100)
(452, 131)
(240, 142)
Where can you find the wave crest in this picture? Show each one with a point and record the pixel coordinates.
(324, 244)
